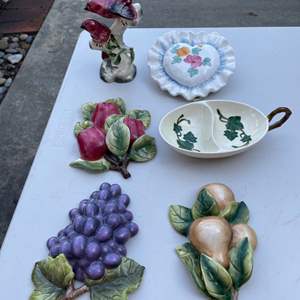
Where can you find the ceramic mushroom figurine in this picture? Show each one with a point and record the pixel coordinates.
(117, 64)
(220, 252)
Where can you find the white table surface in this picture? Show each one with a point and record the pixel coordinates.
(266, 178)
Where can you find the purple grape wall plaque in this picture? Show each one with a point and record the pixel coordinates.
(89, 254)
(110, 137)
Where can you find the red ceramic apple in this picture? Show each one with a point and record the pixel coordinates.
(136, 128)
(102, 112)
(91, 143)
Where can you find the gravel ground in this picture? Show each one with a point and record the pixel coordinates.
(13, 49)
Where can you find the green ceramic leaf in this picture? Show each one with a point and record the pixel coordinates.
(87, 110)
(217, 280)
(241, 262)
(111, 120)
(143, 149)
(100, 165)
(180, 218)
(229, 211)
(143, 115)
(205, 205)
(120, 282)
(236, 213)
(190, 257)
(120, 102)
(118, 138)
(51, 277)
(79, 126)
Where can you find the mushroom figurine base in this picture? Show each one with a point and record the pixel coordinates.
(110, 137)
(117, 64)
(219, 255)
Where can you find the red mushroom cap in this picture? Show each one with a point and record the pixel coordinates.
(99, 32)
(112, 8)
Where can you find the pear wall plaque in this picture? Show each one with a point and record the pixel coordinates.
(219, 254)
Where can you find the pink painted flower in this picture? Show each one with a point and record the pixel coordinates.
(194, 60)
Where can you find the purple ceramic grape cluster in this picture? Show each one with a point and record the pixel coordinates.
(95, 239)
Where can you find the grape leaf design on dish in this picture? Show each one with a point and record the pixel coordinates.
(234, 129)
(187, 140)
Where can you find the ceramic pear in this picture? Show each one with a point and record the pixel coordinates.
(212, 236)
(241, 231)
(219, 254)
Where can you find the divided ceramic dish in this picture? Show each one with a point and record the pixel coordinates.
(191, 64)
(217, 128)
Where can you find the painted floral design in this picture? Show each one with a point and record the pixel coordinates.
(191, 57)
(194, 60)
(183, 51)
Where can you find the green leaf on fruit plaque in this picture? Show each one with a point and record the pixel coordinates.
(87, 109)
(51, 278)
(143, 115)
(79, 126)
(229, 211)
(118, 138)
(143, 149)
(111, 120)
(180, 218)
(216, 278)
(120, 282)
(118, 101)
(205, 205)
(190, 257)
(236, 213)
(241, 262)
(100, 165)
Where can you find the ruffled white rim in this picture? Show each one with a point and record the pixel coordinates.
(214, 84)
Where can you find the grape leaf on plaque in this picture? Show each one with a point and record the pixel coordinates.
(119, 282)
(51, 278)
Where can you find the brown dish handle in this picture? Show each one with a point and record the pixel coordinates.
(287, 113)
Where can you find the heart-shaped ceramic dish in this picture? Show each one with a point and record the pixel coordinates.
(191, 64)
(217, 128)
